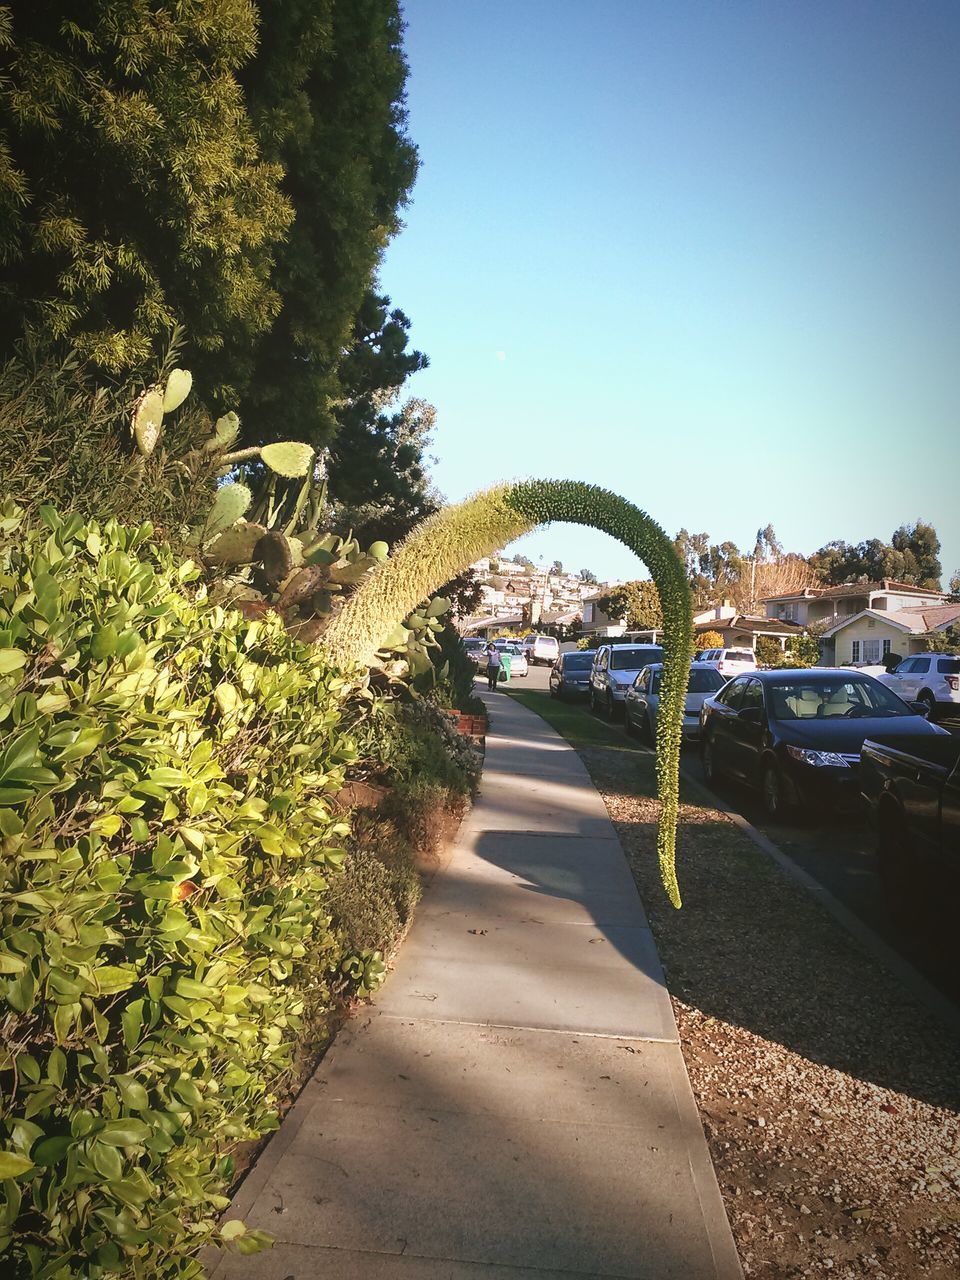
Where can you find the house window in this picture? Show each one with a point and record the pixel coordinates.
(886, 647)
(855, 651)
(871, 650)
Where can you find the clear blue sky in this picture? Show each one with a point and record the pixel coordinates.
(704, 254)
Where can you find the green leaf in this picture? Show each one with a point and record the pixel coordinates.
(22, 752)
(11, 660)
(52, 1150)
(57, 1067)
(131, 1020)
(133, 1093)
(13, 1165)
(232, 1229)
(127, 1132)
(104, 643)
(111, 978)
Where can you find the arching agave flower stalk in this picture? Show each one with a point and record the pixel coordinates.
(447, 542)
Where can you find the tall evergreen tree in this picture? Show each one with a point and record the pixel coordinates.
(133, 192)
(378, 476)
(327, 93)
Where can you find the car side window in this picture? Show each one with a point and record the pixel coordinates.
(921, 665)
(906, 666)
(752, 696)
(642, 680)
(731, 695)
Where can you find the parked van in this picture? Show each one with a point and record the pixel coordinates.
(729, 662)
(541, 649)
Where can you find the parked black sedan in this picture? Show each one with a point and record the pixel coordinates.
(797, 735)
(570, 674)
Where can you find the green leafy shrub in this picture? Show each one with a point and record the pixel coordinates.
(166, 769)
(709, 640)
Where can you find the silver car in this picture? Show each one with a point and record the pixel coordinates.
(614, 670)
(643, 700)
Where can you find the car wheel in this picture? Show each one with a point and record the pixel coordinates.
(775, 802)
(708, 760)
(930, 702)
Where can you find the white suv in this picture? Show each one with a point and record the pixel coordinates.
(539, 649)
(729, 662)
(930, 678)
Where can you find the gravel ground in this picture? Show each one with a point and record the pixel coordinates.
(831, 1101)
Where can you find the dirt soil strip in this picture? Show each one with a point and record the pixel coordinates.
(829, 1096)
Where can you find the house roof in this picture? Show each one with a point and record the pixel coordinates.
(930, 617)
(914, 620)
(755, 626)
(857, 589)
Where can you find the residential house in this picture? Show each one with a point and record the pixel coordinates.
(874, 604)
(741, 631)
(870, 635)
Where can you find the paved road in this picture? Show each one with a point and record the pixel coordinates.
(837, 851)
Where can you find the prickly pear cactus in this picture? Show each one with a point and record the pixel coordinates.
(177, 389)
(290, 458)
(147, 421)
(229, 505)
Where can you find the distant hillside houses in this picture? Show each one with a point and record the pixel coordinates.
(516, 597)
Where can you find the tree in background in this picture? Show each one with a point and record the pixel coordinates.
(326, 91)
(954, 585)
(235, 167)
(721, 572)
(946, 641)
(708, 640)
(769, 653)
(557, 567)
(133, 193)
(635, 603)
(378, 478)
(587, 576)
(911, 556)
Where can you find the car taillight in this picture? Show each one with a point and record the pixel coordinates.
(953, 682)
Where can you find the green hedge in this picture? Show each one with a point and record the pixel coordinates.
(165, 776)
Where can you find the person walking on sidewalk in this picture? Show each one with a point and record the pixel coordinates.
(493, 666)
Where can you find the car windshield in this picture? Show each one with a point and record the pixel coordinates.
(705, 681)
(822, 699)
(577, 661)
(633, 659)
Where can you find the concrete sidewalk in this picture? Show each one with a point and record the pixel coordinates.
(515, 1104)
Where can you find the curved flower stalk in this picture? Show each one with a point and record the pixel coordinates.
(454, 537)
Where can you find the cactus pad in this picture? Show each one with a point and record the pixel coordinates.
(231, 502)
(177, 389)
(147, 421)
(235, 545)
(225, 431)
(288, 459)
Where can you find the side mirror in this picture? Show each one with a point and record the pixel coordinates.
(750, 715)
(920, 708)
